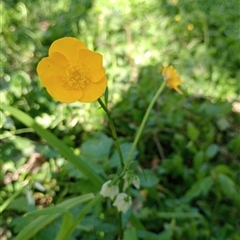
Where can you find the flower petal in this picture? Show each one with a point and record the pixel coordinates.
(93, 91)
(68, 46)
(49, 66)
(93, 61)
(56, 89)
(172, 79)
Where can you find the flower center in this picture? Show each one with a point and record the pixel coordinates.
(76, 77)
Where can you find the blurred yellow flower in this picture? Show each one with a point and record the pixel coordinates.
(172, 79)
(71, 72)
(190, 27)
(177, 18)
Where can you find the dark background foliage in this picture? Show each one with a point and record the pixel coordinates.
(188, 156)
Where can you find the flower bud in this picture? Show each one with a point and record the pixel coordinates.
(123, 202)
(109, 190)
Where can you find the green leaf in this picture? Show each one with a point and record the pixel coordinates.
(41, 221)
(136, 223)
(178, 215)
(221, 168)
(130, 233)
(66, 224)
(212, 150)
(148, 178)
(65, 234)
(64, 150)
(201, 187)
(97, 148)
(3, 119)
(46, 211)
(125, 148)
(223, 124)
(192, 131)
(198, 160)
(11, 202)
(229, 188)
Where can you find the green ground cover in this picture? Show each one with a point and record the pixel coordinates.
(188, 157)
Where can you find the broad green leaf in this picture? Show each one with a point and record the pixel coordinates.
(223, 124)
(130, 233)
(150, 236)
(43, 220)
(97, 148)
(212, 150)
(229, 188)
(201, 187)
(192, 132)
(198, 159)
(64, 150)
(148, 178)
(223, 169)
(125, 148)
(136, 223)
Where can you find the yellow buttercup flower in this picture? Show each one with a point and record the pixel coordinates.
(190, 27)
(172, 79)
(71, 72)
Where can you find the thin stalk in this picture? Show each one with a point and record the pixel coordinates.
(120, 229)
(113, 130)
(140, 129)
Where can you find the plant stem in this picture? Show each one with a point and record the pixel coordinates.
(140, 129)
(113, 130)
(120, 236)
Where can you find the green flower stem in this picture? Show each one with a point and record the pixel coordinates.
(120, 227)
(114, 133)
(140, 129)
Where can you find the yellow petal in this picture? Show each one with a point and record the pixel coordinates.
(68, 46)
(93, 91)
(49, 66)
(56, 89)
(93, 61)
(171, 78)
(178, 90)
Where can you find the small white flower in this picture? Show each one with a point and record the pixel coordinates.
(109, 190)
(136, 182)
(127, 181)
(131, 179)
(123, 202)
